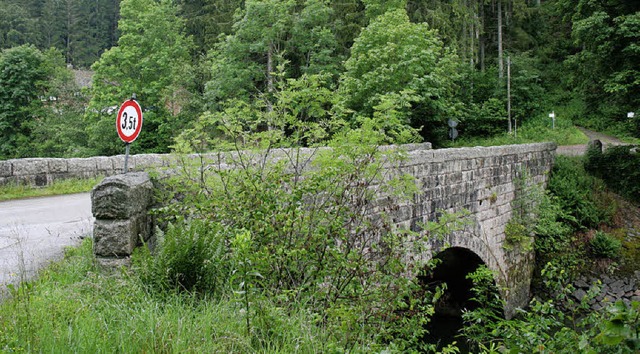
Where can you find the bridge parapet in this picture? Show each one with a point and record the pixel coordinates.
(39, 172)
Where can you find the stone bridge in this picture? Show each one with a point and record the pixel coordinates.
(482, 180)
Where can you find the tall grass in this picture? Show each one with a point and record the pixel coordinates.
(68, 186)
(75, 308)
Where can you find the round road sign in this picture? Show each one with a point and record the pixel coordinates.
(129, 121)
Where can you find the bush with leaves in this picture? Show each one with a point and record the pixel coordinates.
(309, 236)
(619, 167)
(190, 255)
(574, 188)
(604, 245)
(547, 327)
(622, 327)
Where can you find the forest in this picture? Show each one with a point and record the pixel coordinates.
(407, 66)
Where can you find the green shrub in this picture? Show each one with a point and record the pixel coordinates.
(552, 235)
(574, 190)
(556, 325)
(189, 255)
(604, 245)
(294, 226)
(619, 168)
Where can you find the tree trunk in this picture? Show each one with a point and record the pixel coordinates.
(473, 34)
(69, 13)
(500, 51)
(481, 39)
(270, 76)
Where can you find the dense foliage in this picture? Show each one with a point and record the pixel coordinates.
(40, 114)
(619, 168)
(557, 324)
(292, 225)
(422, 62)
(151, 61)
(81, 29)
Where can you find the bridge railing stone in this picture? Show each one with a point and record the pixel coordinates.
(120, 206)
(39, 172)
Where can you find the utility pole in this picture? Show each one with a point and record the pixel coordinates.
(509, 91)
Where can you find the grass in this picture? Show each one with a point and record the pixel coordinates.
(537, 130)
(74, 307)
(68, 186)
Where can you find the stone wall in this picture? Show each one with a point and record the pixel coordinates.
(611, 289)
(41, 172)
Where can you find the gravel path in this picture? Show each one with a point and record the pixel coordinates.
(579, 150)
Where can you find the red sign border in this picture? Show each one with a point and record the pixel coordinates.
(136, 106)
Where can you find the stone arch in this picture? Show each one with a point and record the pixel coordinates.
(488, 251)
(453, 266)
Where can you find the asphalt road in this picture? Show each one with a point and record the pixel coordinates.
(35, 231)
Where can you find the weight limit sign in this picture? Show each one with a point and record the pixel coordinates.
(129, 121)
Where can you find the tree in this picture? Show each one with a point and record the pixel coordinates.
(81, 29)
(607, 65)
(397, 62)
(268, 34)
(60, 129)
(150, 60)
(23, 79)
(17, 26)
(206, 20)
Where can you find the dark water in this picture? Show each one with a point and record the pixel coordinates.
(445, 329)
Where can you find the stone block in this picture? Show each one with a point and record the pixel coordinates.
(118, 163)
(27, 167)
(145, 161)
(82, 167)
(6, 168)
(104, 165)
(117, 238)
(122, 196)
(58, 166)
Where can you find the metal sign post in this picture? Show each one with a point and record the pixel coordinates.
(126, 158)
(552, 115)
(129, 125)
